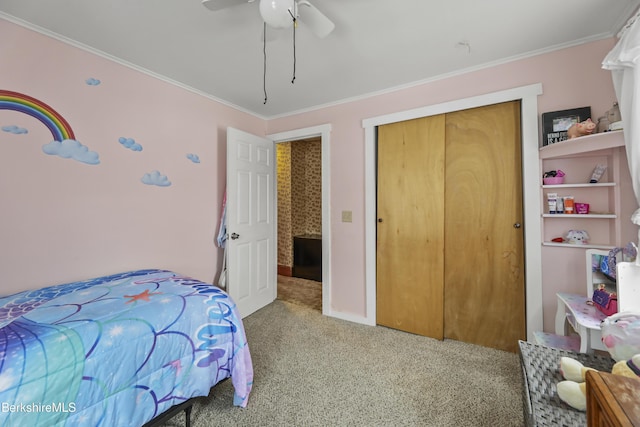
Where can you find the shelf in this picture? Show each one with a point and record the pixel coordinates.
(583, 145)
(599, 184)
(581, 216)
(577, 158)
(569, 245)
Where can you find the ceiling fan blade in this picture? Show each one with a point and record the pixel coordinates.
(317, 22)
(223, 4)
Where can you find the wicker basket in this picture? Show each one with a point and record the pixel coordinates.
(541, 373)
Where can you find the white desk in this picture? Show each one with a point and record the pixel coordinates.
(585, 319)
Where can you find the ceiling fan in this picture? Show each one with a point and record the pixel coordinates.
(281, 13)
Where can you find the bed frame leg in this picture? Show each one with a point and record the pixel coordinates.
(171, 412)
(187, 416)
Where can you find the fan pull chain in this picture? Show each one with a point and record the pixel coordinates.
(264, 62)
(295, 24)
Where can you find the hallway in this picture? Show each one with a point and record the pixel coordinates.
(300, 291)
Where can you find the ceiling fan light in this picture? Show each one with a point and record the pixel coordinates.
(276, 12)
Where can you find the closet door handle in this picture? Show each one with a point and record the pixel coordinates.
(517, 225)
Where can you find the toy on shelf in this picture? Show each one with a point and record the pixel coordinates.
(577, 237)
(553, 177)
(610, 121)
(603, 124)
(580, 129)
(613, 115)
(573, 237)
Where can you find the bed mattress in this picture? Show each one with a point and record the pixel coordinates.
(117, 350)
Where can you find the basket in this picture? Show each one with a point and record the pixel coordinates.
(553, 180)
(540, 368)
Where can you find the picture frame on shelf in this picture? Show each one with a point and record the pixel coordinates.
(556, 123)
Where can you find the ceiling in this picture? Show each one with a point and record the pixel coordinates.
(377, 45)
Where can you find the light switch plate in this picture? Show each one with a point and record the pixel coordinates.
(346, 216)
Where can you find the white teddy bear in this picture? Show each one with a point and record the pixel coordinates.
(621, 336)
(573, 390)
(577, 237)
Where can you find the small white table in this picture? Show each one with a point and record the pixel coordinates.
(584, 318)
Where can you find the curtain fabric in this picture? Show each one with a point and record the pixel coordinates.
(624, 63)
(221, 238)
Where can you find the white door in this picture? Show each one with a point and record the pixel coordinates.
(251, 222)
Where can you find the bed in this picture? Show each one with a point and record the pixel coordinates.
(118, 350)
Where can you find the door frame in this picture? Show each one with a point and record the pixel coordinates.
(528, 95)
(324, 132)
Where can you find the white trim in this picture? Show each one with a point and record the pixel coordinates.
(350, 318)
(124, 63)
(324, 132)
(361, 97)
(445, 76)
(530, 177)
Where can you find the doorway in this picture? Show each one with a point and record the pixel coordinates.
(299, 188)
(324, 133)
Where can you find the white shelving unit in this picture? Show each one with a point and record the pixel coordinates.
(577, 158)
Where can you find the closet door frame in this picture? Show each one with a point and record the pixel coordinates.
(528, 95)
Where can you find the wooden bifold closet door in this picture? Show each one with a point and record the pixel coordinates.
(410, 244)
(450, 260)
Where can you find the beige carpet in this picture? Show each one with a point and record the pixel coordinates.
(314, 370)
(300, 291)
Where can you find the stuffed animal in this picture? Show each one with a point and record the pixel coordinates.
(621, 334)
(613, 114)
(577, 237)
(573, 391)
(580, 129)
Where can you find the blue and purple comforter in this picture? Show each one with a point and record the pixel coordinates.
(117, 350)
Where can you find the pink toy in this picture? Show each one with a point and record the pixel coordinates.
(621, 335)
(580, 129)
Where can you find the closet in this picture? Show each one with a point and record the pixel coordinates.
(450, 254)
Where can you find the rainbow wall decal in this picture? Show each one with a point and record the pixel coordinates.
(16, 101)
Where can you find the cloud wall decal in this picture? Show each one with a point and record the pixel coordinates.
(130, 143)
(193, 157)
(14, 129)
(156, 178)
(71, 149)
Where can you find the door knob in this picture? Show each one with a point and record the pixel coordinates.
(379, 219)
(517, 225)
(234, 236)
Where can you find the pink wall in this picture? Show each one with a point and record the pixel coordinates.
(63, 220)
(570, 77)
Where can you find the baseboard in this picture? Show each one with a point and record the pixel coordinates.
(285, 270)
(349, 317)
